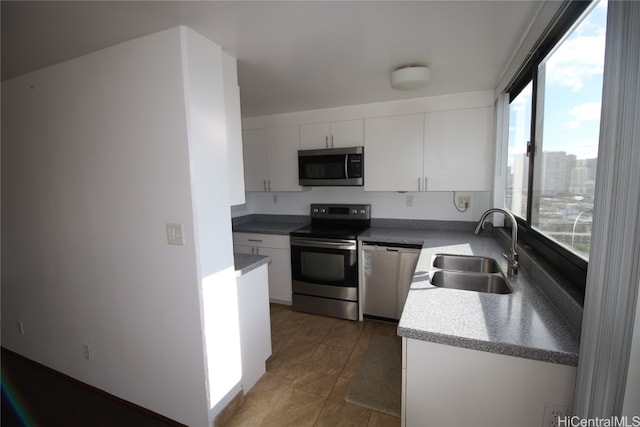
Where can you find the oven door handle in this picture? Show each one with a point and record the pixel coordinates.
(325, 243)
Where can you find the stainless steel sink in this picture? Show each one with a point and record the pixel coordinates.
(465, 263)
(480, 282)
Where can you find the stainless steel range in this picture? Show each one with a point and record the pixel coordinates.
(324, 260)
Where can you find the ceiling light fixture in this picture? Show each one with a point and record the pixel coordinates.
(410, 77)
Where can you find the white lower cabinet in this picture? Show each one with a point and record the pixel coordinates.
(255, 324)
(454, 386)
(278, 248)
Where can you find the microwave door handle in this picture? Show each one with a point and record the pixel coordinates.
(346, 166)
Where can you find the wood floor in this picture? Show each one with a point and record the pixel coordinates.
(308, 375)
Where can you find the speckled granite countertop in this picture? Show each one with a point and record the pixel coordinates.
(269, 224)
(522, 324)
(244, 263)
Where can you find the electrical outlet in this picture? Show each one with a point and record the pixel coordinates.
(553, 413)
(175, 234)
(464, 202)
(86, 350)
(409, 201)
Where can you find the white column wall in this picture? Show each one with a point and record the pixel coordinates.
(99, 153)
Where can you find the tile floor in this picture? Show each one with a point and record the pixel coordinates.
(309, 372)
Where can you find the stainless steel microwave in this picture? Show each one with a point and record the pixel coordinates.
(331, 167)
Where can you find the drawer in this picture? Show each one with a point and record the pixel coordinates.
(261, 240)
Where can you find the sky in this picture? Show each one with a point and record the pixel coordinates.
(573, 92)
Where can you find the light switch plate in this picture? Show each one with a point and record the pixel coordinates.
(175, 234)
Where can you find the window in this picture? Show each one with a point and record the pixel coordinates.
(554, 119)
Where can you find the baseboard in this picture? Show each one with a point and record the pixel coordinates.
(230, 410)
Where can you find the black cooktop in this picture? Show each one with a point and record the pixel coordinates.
(336, 221)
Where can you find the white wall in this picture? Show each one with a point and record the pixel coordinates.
(96, 160)
(429, 205)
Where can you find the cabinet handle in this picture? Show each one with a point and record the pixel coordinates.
(268, 185)
(264, 183)
(425, 183)
(255, 240)
(332, 141)
(257, 251)
(419, 181)
(326, 141)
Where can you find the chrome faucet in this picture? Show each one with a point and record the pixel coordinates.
(512, 257)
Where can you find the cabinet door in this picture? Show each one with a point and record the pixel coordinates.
(458, 150)
(344, 133)
(234, 143)
(393, 153)
(279, 274)
(347, 133)
(314, 136)
(283, 144)
(254, 143)
(255, 324)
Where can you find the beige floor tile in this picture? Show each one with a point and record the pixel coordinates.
(268, 390)
(290, 359)
(320, 372)
(315, 381)
(309, 373)
(344, 334)
(296, 408)
(338, 412)
(249, 415)
(357, 354)
(379, 419)
(343, 414)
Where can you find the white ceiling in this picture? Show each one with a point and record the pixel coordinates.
(292, 56)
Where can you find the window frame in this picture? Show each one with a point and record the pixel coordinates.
(568, 264)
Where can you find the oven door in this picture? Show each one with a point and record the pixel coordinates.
(325, 267)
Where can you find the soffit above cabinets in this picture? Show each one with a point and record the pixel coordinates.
(292, 56)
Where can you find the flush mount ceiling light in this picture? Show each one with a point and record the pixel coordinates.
(411, 77)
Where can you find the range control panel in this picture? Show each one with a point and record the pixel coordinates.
(340, 211)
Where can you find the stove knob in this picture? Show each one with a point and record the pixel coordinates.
(315, 210)
(323, 210)
(363, 211)
(355, 211)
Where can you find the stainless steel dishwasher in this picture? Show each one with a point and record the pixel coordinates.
(388, 269)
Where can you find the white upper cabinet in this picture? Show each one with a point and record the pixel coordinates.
(344, 133)
(234, 130)
(458, 150)
(254, 143)
(234, 143)
(393, 153)
(283, 144)
(271, 159)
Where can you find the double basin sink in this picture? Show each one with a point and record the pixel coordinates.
(469, 273)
